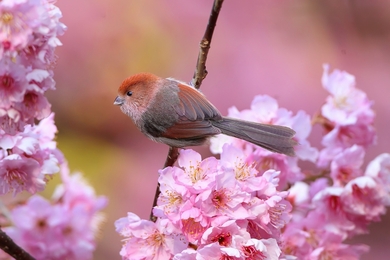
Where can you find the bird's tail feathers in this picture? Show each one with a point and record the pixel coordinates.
(271, 137)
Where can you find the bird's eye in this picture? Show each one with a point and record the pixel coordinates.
(129, 93)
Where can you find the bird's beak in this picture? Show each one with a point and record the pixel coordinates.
(119, 101)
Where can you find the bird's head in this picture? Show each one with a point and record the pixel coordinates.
(135, 94)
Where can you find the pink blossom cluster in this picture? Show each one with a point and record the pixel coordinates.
(339, 199)
(29, 158)
(63, 228)
(28, 37)
(265, 109)
(221, 208)
(255, 204)
(346, 116)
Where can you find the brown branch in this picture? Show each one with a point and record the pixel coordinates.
(11, 248)
(200, 70)
(199, 75)
(170, 161)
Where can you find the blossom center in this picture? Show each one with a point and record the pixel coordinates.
(251, 253)
(275, 214)
(358, 192)
(254, 230)
(30, 99)
(196, 173)
(334, 202)
(174, 199)
(312, 239)
(192, 227)
(67, 231)
(14, 175)
(341, 102)
(156, 239)
(41, 224)
(220, 198)
(226, 257)
(345, 174)
(242, 170)
(7, 18)
(224, 239)
(6, 81)
(266, 164)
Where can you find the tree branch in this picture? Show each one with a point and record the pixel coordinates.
(200, 70)
(173, 153)
(9, 246)
(199, 75)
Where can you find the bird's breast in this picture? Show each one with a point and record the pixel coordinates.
(157, 120)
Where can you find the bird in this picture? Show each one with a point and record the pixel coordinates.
(172, 112)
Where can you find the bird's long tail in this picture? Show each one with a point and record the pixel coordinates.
(271, 137)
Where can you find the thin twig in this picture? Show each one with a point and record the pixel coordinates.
(170, 161)
(199, 75)
(9, 246)
(200, 70)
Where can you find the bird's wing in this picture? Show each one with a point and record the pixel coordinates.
(194, 106)
(191, 130)
(194, 112)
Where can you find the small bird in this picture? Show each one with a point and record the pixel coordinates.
(174, 113)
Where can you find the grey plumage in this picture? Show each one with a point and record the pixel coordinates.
(171, 112)
(272, 137)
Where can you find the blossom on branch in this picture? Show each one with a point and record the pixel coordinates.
(28, 36)
(63, 228)
(66, 226)
(149, 240)
(265, 109)
(224, 205)
(29, 158)
(255, 204)
(346, 116)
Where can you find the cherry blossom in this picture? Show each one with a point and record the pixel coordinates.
(60, 229)
(149, 240)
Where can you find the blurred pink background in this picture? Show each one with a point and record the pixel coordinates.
(259, 47)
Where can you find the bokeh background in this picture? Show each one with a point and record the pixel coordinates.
(259, 47)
